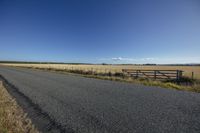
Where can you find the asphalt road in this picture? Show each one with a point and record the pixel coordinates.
(87, 105)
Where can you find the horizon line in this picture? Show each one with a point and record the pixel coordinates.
(103, 63)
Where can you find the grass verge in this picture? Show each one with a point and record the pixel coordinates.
(195, 87)
(12, 117)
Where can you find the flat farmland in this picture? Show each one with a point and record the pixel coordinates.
(112, 68)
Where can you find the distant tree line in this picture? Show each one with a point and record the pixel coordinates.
(148, 64)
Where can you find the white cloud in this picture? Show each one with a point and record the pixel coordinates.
(152, 60)
(147, 59)
(117, 59)
(131, 59)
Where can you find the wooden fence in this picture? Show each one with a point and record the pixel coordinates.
(154, 74)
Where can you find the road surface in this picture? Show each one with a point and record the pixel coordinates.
(84, 105)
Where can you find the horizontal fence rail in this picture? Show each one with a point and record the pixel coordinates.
(154, 74)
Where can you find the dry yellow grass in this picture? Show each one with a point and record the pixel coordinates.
(114, 68)
(12, 117)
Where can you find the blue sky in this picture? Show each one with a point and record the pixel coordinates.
(96, 31)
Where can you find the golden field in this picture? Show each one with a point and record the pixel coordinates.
(112, 68)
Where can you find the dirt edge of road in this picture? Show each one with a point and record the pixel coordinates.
(12, 117)
(41, 120)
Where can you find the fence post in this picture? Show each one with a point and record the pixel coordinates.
(137, 74)
(155, 72)
(92, 70)
(192, 75)
(178, 73)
